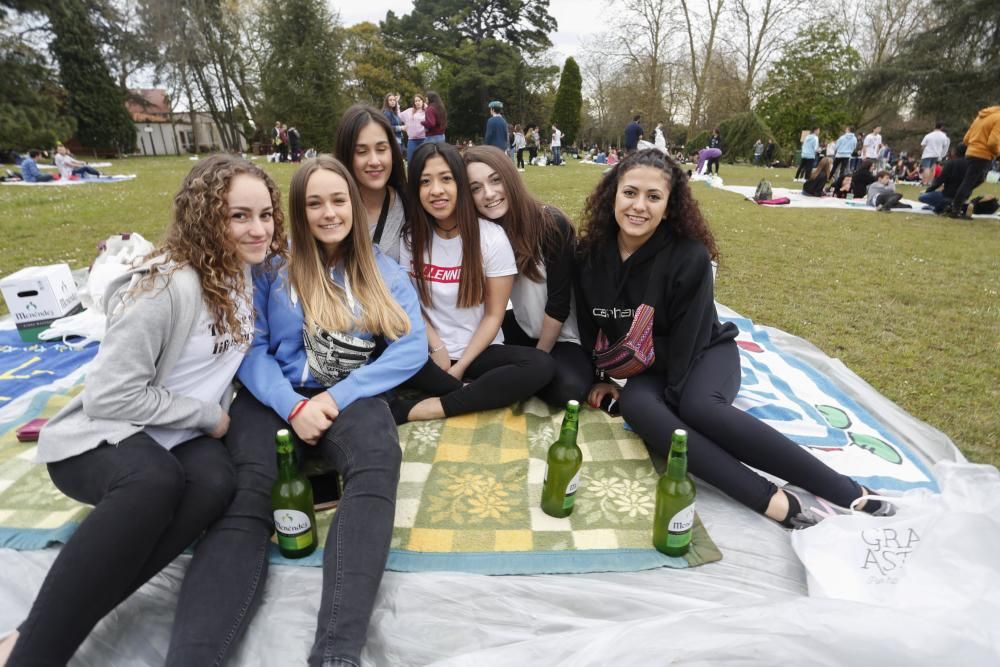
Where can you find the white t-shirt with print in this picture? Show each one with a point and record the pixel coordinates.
(556, 139)
(871, 145)
(205, 369)
(443, 269)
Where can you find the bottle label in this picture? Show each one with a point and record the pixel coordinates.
(294, 529)
(570, 497)
(679, 527)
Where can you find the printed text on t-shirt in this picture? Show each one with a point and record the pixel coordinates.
(442, 274)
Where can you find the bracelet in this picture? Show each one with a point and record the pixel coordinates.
(297, 409)
(437, 349)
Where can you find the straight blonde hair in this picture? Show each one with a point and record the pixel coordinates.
(324, 303)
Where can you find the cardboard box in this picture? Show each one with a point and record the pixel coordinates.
(38, 295)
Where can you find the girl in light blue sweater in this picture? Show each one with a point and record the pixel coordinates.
(311, 367)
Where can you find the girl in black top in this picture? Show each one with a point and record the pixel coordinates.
(862, 177)
(543, 240)
(815, 186)
(643, 214)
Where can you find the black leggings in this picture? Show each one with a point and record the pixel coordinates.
(572, 378)
(500, 375)
(722, 438)
(150, 504)
(712, 161)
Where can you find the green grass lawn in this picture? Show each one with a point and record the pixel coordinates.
(909, 302)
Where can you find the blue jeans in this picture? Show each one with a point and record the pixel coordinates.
(935, 200)
(435, 139)
(150, 504)
(225, 582)
(556, 154)
(411, 147)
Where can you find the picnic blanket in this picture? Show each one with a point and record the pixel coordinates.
(62, 182)
(799, 200)
(470, 485)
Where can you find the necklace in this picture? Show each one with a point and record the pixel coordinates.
(446, 229)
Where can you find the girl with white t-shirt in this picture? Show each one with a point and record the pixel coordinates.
(364, 143)
(463, 268)
(543, 314)
(141, 443)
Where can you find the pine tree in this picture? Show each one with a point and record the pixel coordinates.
(301, 79)
(569, 102)
(97, 104)
(31, 101)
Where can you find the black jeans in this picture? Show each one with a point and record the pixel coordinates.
(712, 161)
(975, 174)
(225, 582)
(520, 157)
(722, 438)
(150, 504)
(840, 166)
(500, 375)
(572, 377)
(805, 167)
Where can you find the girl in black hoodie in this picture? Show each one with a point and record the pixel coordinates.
(642, 226)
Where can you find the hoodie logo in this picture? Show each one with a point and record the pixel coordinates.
(614, 313)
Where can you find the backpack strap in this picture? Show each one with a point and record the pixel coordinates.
(380, 227)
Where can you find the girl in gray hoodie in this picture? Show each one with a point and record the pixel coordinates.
(141, 442)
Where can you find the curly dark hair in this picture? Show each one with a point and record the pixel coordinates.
(598, 226)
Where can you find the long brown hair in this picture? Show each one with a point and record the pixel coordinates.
(355, 119)
(825, 166)
(419, 230)
(434, 100)
(197, 236)
(530, 225)
(599, 227)
(324, 302)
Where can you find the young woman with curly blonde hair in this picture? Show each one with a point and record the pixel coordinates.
(142, 441)
(311, 368)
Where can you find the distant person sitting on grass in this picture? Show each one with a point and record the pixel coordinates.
(948, 180)
(815, 186)
(882, 193)
(912, 173)
(29, 169)
(70, 167)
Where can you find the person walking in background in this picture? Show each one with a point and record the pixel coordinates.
(556, 145)
(871, 145)
(413, 122)
(532, 139)
(276, 138)
(659, 139)
(769, 153)
(283, 146)
(293, 144)
(390, 109)
(435, 119)
(520, 143)
(715, 141)
(496, 127)
(982, 143)
(810, 147)
(633, 133)
(843, 149)
(758, 152)
(935, 147)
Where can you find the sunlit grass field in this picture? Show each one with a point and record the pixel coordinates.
(909, 302)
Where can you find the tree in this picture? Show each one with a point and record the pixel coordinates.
(31, 100)
(646, 53)
(96, 102)
(569, 101)
(950, 69)
(480, 50)
(760, 32)
(373, 70)
(700, 52)
(301, 78)
(810, 86)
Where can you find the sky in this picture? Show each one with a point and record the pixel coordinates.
(576, 19)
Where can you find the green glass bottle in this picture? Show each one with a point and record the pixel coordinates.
(562, 467)
(674, 516)
(292, 502)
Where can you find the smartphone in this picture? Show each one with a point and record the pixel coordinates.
(29, 432)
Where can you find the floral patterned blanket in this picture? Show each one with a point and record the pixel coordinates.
(469, 496)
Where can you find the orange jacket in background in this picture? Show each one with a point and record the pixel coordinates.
(983, 137)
